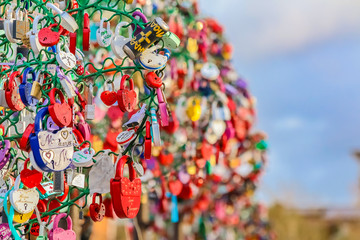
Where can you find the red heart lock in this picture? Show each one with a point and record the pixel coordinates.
(200, 162)
(61, 113)
(153, 80)
(97, 210)
(109, 210)
(47, 37)
(206, 150)
(175, 186)
(12, 95)
(166, 159)
(186, 192)
(31, 178)
(126, 98)
(108, 97)
(125, 192)
(24, 143)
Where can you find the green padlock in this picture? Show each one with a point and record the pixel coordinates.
(171, 40)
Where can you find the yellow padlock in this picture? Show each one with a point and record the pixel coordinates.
(192, 45)
(19, 217)
(194, 109)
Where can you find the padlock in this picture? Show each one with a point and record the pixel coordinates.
(83, 127)
(125, 192)
(36, 86)
(12, 92)
(61, 113)
(97, 210)
(210, 71)
(66, 59)
(31, 178)
(90, 107)
(193, 110)
(164, 115)
(126, 98)
(8, 25)
(153, 80)
(49, 38)
(147, 144)
(144, 39)
(4, 153)
(67, 21)
(119, 41)
(24, 143)
(25, 88)
(171, 40)
(21, 24)
(155, 128)
(141, 18)
(66, 83)
(23, 200)
(57, 233)
(152, 60)
(109, 97)
(86, 33)
(33, 36)
(104, 35)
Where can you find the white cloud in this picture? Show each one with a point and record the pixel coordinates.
(263, 27)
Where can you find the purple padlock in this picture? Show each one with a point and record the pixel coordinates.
(5, 232)
(4, 153)
(51, 125)
(142, 17)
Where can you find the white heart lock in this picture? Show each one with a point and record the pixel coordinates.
(152, 60)
(33, 36)
(83, 158)
(104, 35)
(119, 41)
(8, 24)
(66, 59)
(23, 201)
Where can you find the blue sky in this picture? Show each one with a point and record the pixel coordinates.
(301, 59)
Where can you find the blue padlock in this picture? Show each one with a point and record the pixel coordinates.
(25, 88)
(52, 150)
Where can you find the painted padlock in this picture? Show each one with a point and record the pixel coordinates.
(152, 60)
(125, 192)
(97, 210)
(4, 153)
(52, 150)
(126, 97)
(12, 95)
(25, 88)
(61, 113)
(57, 233)
(23, 200)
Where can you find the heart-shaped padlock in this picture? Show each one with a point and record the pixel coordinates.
(152, 60)
(33, 36)
(153, 80)
(104, 35)
(49, 38)
(83, 127)
(25, 88)
(57, 233)
(126, 98)
(174, 184)
(12, 95)
(166, 159)
(66, 59)
(97, 210)
(108, 97)
(31, 178)
(61, 113)
(119, 41)
(23, 200)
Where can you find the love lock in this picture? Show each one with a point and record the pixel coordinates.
(49, 38)
(97, 210)
(210, 71)
(67, 21)
(126, 98)
(25, 88)
(104, 36)
(33, 36)
(108, 96)
(8, 25)
(61, 113)
(119, 41)
(11, 93)
(66, 59)
(151, 60)
(23, 201)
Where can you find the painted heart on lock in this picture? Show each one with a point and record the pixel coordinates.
(83, 158)
(61, 234)
(108, 97)
(24, 201)
(130, 199)
(97, 211)
(48, 156)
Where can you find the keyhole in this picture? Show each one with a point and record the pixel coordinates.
(25, 205)
(45, 38)
(149, 61)
(21, 216)
(53, 163)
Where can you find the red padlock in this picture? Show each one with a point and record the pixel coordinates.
(24, 143)
(166, 159)
(61, 113)
(72, 46)
(31, 178)
(97, 210)
(175, 186)
(86, 33)
(126, 97)
(12, 95)
(173, 124)
(108, 97)
(49, 38)
(125, 192)
(153, 80)
(147, 145)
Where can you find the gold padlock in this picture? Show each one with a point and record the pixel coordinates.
(194, 109)
(22, 25)
(36, 86)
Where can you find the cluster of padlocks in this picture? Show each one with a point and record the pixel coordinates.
(89, 87)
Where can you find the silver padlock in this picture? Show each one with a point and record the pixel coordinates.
(90, 107)
(8, 25)
(67, 21)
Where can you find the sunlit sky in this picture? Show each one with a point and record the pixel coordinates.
(301, 59)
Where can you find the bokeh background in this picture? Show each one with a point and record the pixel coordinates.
(301, 59)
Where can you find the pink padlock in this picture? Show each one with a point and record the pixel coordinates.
(57, 233)
(164, 115)
(83, 127)
(4, 153)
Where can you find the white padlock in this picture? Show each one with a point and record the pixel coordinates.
(66, 59)
(33, 36)
(8, 24)
(210, 71)
(152, 60)
(67, 21)
(119, 41)
(104, 35)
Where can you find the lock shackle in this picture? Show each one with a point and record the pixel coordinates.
(35, 24)
(39, 117)
(81, 117)
(102, 23)
(122, 82)
(94, 198)
(120, 25)
(141, 16)
(59, 217)
(106, 85)
(52, 95)
(17, 183)
(26, 72)
(120, 168)
(148, 131)
(55, 8)
(12, 81)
